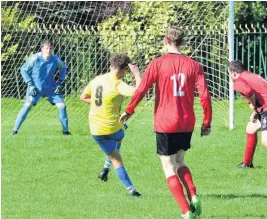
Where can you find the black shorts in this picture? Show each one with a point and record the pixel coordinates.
(171, 143)
(263, 119)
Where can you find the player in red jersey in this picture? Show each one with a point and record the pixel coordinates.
(175, 77)
(254, 89)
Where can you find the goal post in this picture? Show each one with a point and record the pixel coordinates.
(231, 57)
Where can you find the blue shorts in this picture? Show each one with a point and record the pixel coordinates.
(108, 142)
(52, 97)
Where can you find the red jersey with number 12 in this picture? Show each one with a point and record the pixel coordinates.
(176, 77)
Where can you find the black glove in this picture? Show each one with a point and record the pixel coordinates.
(58, 89)
(33, 90)
(205, 131)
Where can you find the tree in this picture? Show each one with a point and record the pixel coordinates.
(250, 12)
(11, 21)
(140, 32)
(69, 12)
(12, 38)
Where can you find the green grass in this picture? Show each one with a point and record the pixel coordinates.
(47, 175)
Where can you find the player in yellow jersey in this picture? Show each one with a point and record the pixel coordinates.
(105, 93)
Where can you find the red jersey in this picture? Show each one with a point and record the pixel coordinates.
(175, 76)
(248, 83)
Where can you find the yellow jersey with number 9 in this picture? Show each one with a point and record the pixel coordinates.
(107, 93)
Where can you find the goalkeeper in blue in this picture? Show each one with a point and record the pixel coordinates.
(39, 73)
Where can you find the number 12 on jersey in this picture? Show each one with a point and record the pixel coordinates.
(178, 84)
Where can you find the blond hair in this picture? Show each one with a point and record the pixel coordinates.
(174, 34)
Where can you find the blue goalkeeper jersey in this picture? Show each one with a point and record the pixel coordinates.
(41, 72)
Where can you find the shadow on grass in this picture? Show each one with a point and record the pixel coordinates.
(228, 196)
(253, 216)
(255, 167)
(258, 167)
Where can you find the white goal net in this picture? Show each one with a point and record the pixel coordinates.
(85, 33)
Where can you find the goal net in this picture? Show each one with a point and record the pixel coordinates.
(85, 33)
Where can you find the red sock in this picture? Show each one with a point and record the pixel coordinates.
(186, 178)
(250, 148)
(176, 189)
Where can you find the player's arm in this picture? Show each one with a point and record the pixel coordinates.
(135, 70)
(86, 94)
(247, 93)
(146, 83)
(251, 106)
(26, 69)
(62, 70)
(251, 101)
(127, 90)
(205, 99)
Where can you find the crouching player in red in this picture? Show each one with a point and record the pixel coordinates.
(254, 89)
(175, 77)
(105, 93)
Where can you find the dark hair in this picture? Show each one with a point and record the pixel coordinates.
(46, 42)
(119, 60)
(175, 34)
(236, 66)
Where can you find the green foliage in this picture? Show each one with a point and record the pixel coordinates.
(10, 20)
(140, 32)
(9, 51)
(84, 56)
(135, 32)
(250, 12)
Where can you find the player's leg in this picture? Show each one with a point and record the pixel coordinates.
(119, 168)
(62, 112)
(108, 145)
(187, 180)
(63, 118)
(23, 113)
(167, 151)
(103, 175)
(185, 175)
(174, 184)
(183, 142)
(118, 136)
(251, 142)
(264, 129)
(121, 172)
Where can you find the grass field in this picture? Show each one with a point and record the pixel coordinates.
(47, 175)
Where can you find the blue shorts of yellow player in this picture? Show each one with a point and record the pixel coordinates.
(108, 142)
(52, 97)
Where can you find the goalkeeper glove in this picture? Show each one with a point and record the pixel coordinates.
(205, 131)
(58, 89)
(33, 90)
